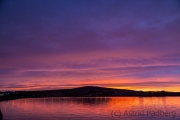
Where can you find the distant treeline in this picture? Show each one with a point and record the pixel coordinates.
(87, 91)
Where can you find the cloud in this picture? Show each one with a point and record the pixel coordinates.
(95, 40)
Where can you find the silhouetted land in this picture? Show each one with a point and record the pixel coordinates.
(1, 115)
(87, 91)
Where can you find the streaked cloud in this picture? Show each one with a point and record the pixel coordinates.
(73, 43)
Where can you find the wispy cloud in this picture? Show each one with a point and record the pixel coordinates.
(89, 43)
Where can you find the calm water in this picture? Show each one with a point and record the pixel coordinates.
(119, 108)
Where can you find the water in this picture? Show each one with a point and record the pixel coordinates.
(94, 108)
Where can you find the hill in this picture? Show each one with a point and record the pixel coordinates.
(86, 91)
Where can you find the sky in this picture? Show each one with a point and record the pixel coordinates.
(58, 44)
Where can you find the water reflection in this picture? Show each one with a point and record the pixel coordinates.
(60, 100)
(91, 108)
(89, 101)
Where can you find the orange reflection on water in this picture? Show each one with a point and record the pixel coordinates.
(86, 107)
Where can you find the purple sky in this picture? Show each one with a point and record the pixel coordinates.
(56, 44)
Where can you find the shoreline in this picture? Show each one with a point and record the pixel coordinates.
(86, 91)
(15, 98)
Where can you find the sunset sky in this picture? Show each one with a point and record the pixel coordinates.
(55, 44)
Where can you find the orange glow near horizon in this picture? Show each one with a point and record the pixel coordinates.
(59, 82)
(53, 86)
(170, 89)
